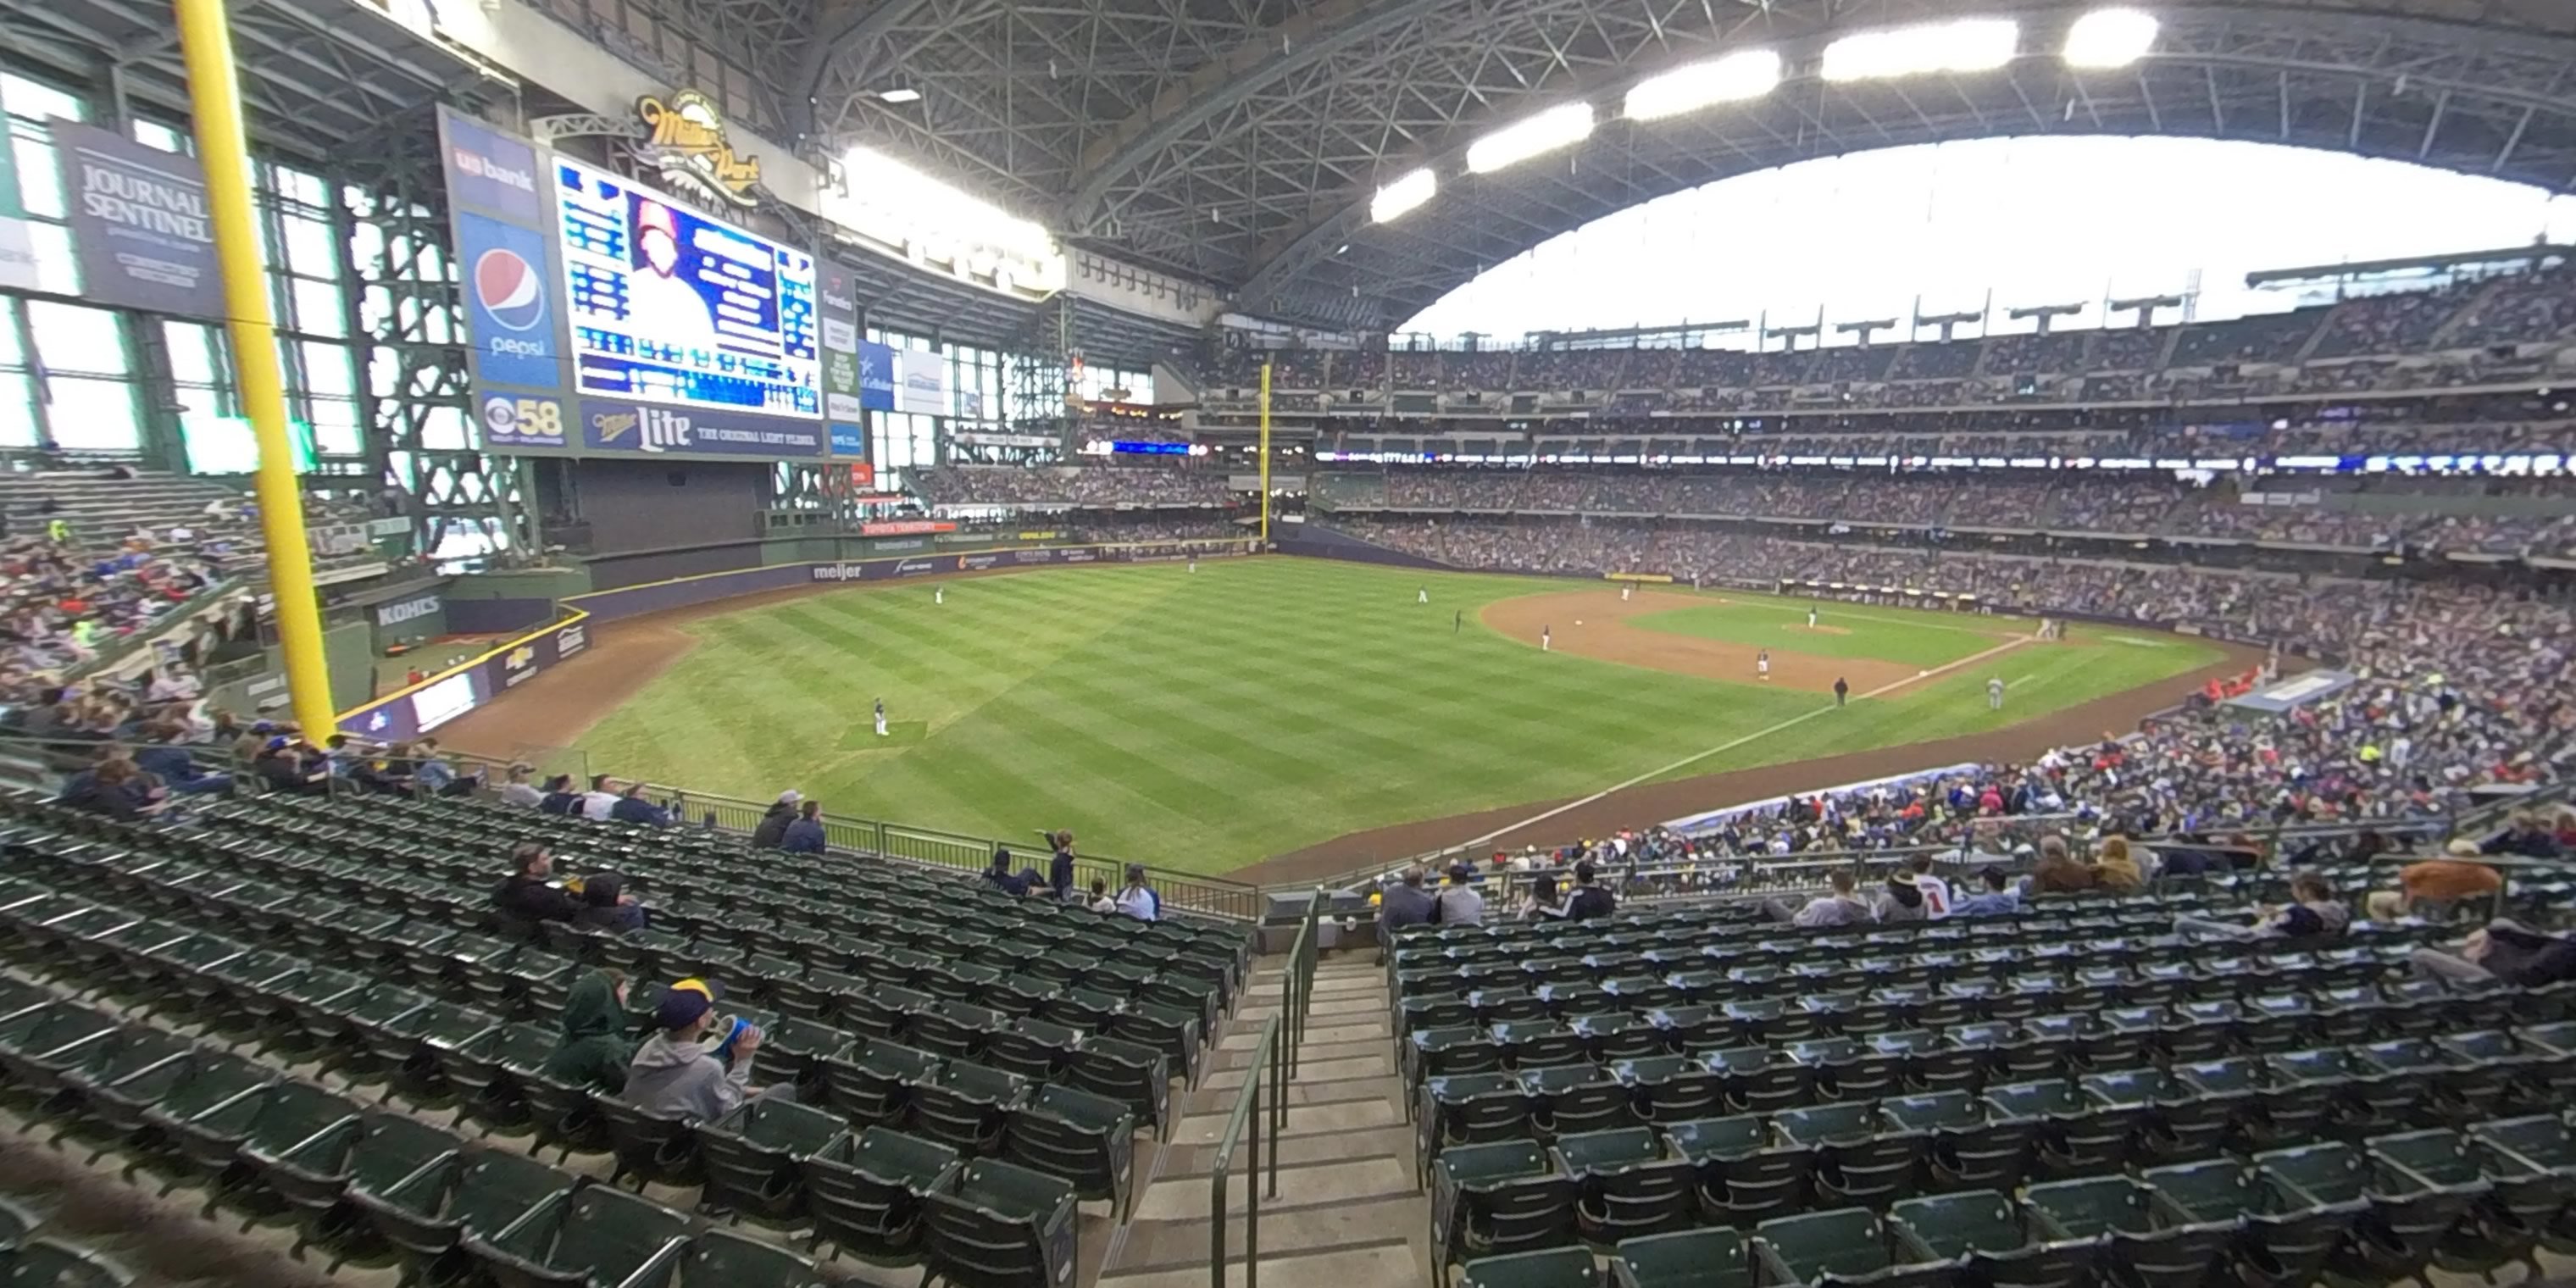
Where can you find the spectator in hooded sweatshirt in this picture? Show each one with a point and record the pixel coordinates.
(1060, 864)
(594, 1049)
(605, 905)
(805, 835)
(2313, 913)
(674, 1073)
(772, 828)
(528, 896)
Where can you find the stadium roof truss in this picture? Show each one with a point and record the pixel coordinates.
(1240, 141)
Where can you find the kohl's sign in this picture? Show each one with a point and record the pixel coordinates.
(409, 610)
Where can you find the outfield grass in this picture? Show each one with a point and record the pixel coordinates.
(1207, 720)
(1921, 639)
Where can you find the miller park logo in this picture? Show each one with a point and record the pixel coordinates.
(687, 146)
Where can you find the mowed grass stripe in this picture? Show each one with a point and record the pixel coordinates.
(1206, 720)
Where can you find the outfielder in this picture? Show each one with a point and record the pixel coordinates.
(1762, 664)
(939, 594)
(881, 729)
(1422, 594)
(1995, 693)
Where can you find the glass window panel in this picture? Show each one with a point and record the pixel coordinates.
(153, 134)
(192, 358)
(317, 308)
(55, 269)
(17, 411)
(309, 248)
(75, 339)
(36, 100)
(40, 183)
(442, 429)
(91, 415)
(326, 370)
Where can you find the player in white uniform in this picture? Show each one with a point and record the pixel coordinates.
(1422, 595)
(656, 291)
(1811, 619)
(1762, 664)
(1194, 563)
(1543, 639)
(1995, 693)
(1623, 592)
(881, 729)
(939, 594)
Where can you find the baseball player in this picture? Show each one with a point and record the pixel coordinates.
(1995, 693)
(1458, 621)
(1194, 563)
(939, 594)
(1422, 595)
(881, 729)
(1762, 664)
(1623, 592)
(1811, 617)
(1543, 637)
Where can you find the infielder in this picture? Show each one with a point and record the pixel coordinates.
(1811, 617)
(1623, 592)
(1995, 693)
(1762, 664)
(1543, 638)
(881, 729)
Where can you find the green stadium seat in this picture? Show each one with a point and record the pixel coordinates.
(567, 1118)
(2173, 1121)
(1705, 1258)
(867, 1192)
(1965, 1146)
(953, 1030)
(753, 1158)
(1086, 1139)
(1841, 1247)
(316, 1175)
(2405, 1216)
(1992, 1239)
(2494, 1230)
(201, 1085)
(1671, 1088)
(652, 1148)
(593, 1237)
(1760, 1080)
(793, 1051)
(39, 1043)
(2149, 1241)
(966, 1106)
(1554, 1268)
(1124, 1071)
(51, 1263)
(1001, 1227)
(1746, 1174)
(2285, 1234)
(1577, 1098)
(869, 1080)
(1624, 1186)
(716, 1259)
(2077, 1136)
(1857, 1157)
(1173, 1030)
(1489, 1200)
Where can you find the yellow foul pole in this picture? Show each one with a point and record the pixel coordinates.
(1265, 456)
(214, 93)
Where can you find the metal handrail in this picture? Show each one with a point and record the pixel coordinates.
(1297, 978)
(1270, 1062)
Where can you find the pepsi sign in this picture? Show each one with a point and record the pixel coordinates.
(509, 308)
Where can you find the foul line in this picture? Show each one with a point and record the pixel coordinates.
(1690, 760)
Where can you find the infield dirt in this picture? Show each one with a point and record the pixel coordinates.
(1598, 624)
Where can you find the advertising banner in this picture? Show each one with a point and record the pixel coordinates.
(508, 306)
(139, 224)
(849, 440)
(618, 426)
(17, 244)
(837, 306)
(904, 527)
(876, 376)
(521, 420)
(489, 170)
(921, 382)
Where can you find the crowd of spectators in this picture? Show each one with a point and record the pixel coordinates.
(2459, 686)
(1074, 485)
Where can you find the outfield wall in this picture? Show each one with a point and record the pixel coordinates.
(566, 623)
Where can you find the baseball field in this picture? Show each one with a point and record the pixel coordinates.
(1313, 713)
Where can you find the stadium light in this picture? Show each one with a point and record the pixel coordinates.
(1966, 45)
(1554, 128)
(2110, 38)
(1404, 194)
(1747, 74)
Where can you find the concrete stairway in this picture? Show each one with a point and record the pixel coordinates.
(1347, 1214)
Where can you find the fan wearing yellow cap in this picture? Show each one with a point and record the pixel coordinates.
(677, 1072)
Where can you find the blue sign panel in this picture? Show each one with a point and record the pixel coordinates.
(620, 425)
(509, 307)
(491, 170)
(876, 376)
(849, 440)
(520, 420)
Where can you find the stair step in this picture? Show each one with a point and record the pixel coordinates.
(1312, 1053)
(1380, 1031)
(1388, 1265)
(1376, 1111)
(1189, 1163)
(1312, 1071)
(1341, 1180)
(1182, 1244)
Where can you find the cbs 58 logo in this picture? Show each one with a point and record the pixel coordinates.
(508, 417)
